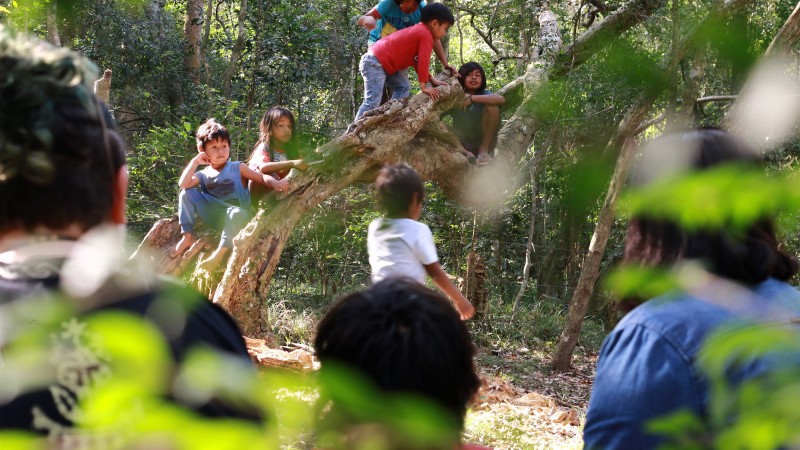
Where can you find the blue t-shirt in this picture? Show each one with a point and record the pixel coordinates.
(393, 19)
(226, 184)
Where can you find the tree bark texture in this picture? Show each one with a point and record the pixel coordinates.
(600, 33)
(475, 283)
(590, 270)
(236, 52)
(52, 24)
(193, 33)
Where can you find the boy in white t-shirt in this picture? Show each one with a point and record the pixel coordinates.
(398, 245)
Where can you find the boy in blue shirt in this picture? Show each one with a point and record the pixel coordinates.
(217, 194)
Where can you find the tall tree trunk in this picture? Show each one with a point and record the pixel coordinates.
(529, 247)
(52, 23)
(590, 269)
(236, 52)
(193, 35)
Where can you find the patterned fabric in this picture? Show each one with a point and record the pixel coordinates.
(392, 19)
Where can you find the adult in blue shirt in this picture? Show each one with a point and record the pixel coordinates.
(648, 364)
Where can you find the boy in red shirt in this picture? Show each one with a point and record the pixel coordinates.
(405, 48)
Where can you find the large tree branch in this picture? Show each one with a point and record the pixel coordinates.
(598, 35)
(593, 40)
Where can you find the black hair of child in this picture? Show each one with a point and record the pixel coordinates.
(466, 69)
(437, 11)
(398, 2)
(395, 188)
(405, 338)
(211, 130)
(59, 151)
(271, 116)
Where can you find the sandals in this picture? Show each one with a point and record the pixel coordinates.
(484, 159)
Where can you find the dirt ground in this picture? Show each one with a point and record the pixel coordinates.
(523, 404)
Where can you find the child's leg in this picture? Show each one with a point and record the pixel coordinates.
(399, 84)
(490, 122)
(374, 78)
(236, 219)
(188, 201)
(186, 241)
(216, 258)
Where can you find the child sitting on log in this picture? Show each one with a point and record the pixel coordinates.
(476, 123)
(274, 154)
(399, 245)
(218, 194)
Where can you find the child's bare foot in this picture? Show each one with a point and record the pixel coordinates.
(483, 159)
(212, 262)
(186, 241)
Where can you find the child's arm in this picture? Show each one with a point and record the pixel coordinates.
(486, 99)
(188, 179)
(438, 49)
(423, 64)
(441, 280)
(260, 178)
(279, 166)
(367, 21)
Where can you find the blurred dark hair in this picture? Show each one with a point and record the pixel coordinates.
(437, 11)
(397, 2)
(211, 130)
(405, 338)
(465, 70)
(395, 188)
(749, 258)
(59, 151)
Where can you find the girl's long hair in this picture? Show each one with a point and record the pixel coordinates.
(271, 117)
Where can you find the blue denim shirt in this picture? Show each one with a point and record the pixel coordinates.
(646, 367)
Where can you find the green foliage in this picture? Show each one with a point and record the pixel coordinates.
(725, 197)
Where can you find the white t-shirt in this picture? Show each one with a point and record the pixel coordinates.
(400, 247)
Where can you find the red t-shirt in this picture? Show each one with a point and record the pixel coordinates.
(409, 47)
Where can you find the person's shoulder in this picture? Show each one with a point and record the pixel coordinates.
(386, 6)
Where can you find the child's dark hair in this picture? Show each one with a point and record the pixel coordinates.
(395, 188)
(59, 152)
(398, 2)
(270, 118)
(437, 11)
(405, 338)
(466, 69)
(211, 130)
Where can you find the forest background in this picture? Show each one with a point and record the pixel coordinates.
(176, 63)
